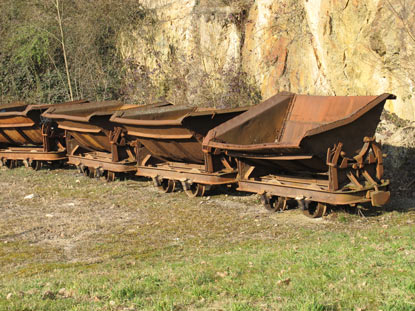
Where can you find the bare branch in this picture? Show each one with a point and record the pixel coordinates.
(59, 18)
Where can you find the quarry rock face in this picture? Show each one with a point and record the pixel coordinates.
(318, 47)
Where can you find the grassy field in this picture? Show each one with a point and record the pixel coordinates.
(72, 243)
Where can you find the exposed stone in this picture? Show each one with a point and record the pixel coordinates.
(328, 47)
(398, 144)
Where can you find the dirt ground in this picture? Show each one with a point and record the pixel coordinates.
(72, 214)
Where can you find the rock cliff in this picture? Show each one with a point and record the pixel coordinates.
(219, 51)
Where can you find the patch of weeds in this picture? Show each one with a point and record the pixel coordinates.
(202, 292)
(241, 306)
(165, 305)
(153, 282)
(398, 306)
(316, 306)
(255, 291)
(342, 218)
(205, 278)
(128, 292)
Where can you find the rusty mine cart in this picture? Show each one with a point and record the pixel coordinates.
(168, 146)
(317, 150)
(25, 136)
(94, 145)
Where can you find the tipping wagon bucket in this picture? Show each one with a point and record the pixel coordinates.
(169, 144)
(174, 133)
(321, 148)
(26, 136)
(95, 144)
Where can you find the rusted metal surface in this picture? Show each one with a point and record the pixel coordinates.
(20, 124)
(34, 153)
(300, 124)
(293, 132)
(173, 133)
(26, 136)
(316, 150)
(87, 123)
(319, 190)
(318, 147)
(168, 145)
(92, 140)
(102, 161)
(308, 192)
(194, 179)
(188, 174)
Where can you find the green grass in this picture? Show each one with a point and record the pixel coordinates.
(341, 263)
(334, 274)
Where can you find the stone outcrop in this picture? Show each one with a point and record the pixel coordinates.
(398, 140)
(333, 47)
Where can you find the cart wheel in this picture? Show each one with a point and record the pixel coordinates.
(167, 185)
(26, 163)
(11, 164)
(59, 164)
(273, 203)
(36, 165)
(85, 170)
(196, 190)
(315, 209)
(91, 172)
(98, 172)
(2, 162)
(110, 176)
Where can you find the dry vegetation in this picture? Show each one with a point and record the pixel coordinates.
(53, 50)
